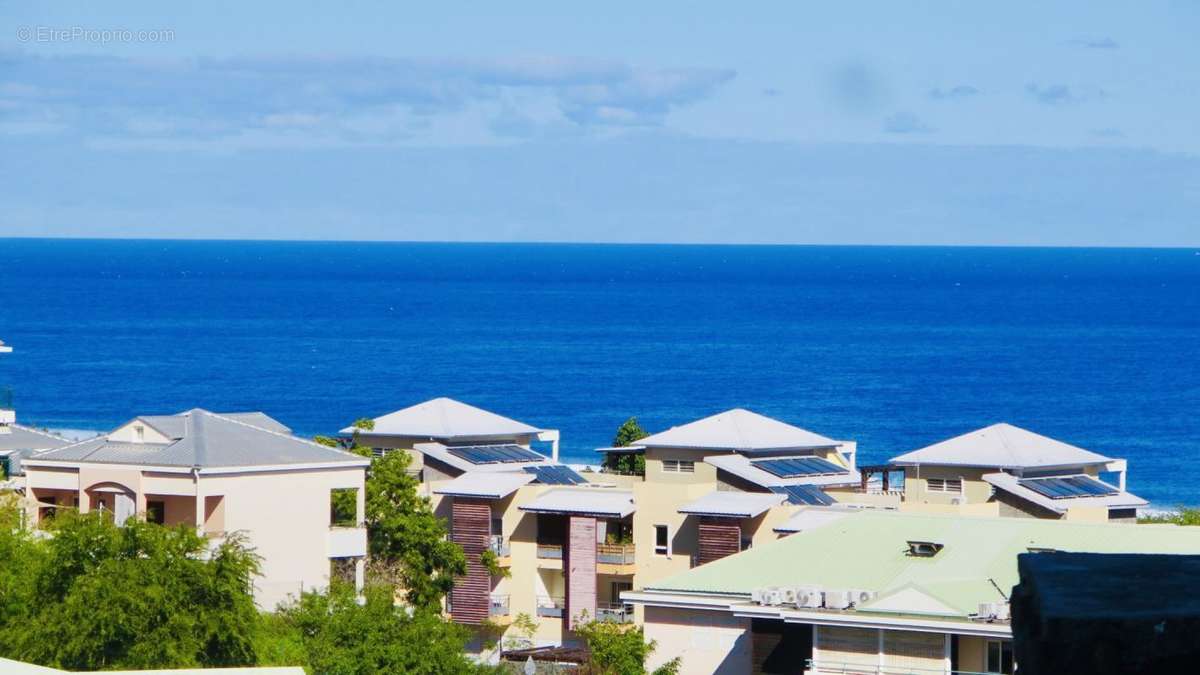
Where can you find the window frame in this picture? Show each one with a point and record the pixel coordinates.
(665, 548)
(1000, 653)
(679, 466)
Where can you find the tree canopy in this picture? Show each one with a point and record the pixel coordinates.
(620, 649)
(627, 434)
(97, 596)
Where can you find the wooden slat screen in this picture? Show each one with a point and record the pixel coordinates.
(719, 537)
(470, 528)
(580, 567)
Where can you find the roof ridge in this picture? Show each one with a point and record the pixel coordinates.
(292, 437)
(47, 433)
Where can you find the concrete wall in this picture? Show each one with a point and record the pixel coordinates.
(706, 641)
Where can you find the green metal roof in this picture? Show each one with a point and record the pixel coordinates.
(868, 550)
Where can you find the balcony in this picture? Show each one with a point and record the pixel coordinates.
(498, 606)
(552, 607)
(499, 546)
(347, 542)
(615, 554)
(617, 612)
(550, 551)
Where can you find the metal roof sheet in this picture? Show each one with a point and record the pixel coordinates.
(445, 418)
(1002, 446)
(737, 429)
(21, 437)
(205, 440)
(868, 550)
(595, 501)
(733, 504)
(489, 485)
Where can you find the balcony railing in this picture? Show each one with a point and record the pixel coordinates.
(618, 612)
(551, 551)
(615, 554)
(499, 546)
(550, 606)
(822, 667)
(498, 605)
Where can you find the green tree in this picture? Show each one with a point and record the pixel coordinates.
(627, 434)
(342, 636)
(136, 597)
(621, 649)
(404, 531)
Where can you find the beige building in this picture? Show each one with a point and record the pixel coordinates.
(1004, 470)
(870, 592)
(221, 473)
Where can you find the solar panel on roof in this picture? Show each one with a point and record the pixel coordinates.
(493, 454)
(810, 495)
(1068, 487)
(791, 467)
(556, 475)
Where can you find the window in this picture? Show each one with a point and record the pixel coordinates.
(953, 485)
(662, 540)
(679, 466)
(999, 656)
(139, 433)
(746, 543)
(156, 512)
(497, 526)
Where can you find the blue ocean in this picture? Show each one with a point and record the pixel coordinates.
(892, 347)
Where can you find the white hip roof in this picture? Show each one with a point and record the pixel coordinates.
(445, 418)
(737, 429)
(1002, 446)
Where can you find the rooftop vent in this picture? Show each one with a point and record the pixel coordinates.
(1040, 549)
(924, 549)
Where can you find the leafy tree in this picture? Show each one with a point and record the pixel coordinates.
(340, 636)
(1182, 516)
(135, 597)
(628, 433)
(404, 530)
(621, 649)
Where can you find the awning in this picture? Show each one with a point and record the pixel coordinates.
(590, 501)
(485, 485)
(733, 504)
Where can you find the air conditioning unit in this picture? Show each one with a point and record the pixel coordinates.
(789, 596)
(861, 597)
(756, 596)
(997, 611)
(808, 598)
(837, 599)
(773, 597)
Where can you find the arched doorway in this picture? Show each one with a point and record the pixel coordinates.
(114, 499)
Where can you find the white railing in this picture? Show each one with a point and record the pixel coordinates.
(498, 605)
(499, 546)
(823, 667)
(550, 606)
(618, 612)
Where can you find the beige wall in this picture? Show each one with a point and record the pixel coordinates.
(284, 515)
(706, 641)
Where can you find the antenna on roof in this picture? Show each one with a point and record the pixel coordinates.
(997, 587)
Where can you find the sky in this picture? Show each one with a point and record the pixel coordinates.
(1071, 123)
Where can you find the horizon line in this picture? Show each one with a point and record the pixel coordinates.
(551, 242)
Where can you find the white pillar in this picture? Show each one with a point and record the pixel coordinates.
(360, 570)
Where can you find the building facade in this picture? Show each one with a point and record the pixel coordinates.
(241, 473)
